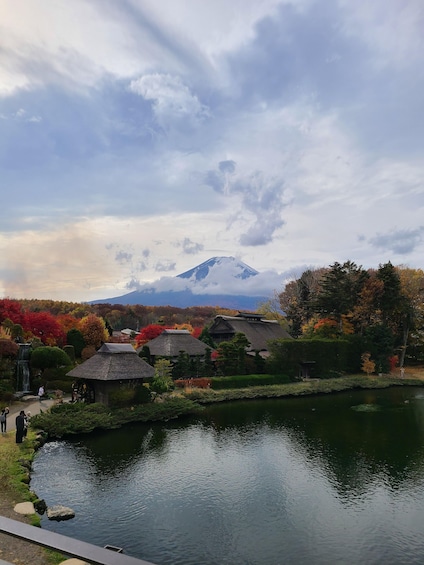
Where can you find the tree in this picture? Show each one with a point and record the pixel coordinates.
(181, 367)
(412, 308)
(206, 337)
(162, 379)
(44, 326)
(12, 310)
(340, 289)
(8, 349)
(88, 352)
(231, 357)
(67, 322)
(366, 312)
(93, 331)
(208, 368)
(298, 298)
(390, 297)
(326, 328)
(148, 333)
(75, 338)
(380, 341)
(48, 357)
(368, 366)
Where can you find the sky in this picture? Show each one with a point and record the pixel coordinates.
(139, 138)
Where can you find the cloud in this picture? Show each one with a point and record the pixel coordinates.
(261, 201)
(133, 284)
(278, 130)
(400, 242)
(142, 266)
(167, 266)
(172, 101)
(123, 257)
(190, 247)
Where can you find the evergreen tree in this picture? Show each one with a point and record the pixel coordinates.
(74, 337)
(390, 299)
(340, 290)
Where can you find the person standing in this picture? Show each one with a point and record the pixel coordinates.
(27, 418)
(41, 392)
(20, 426)
(3, 419)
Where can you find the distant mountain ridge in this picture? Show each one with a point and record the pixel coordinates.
(196, 286)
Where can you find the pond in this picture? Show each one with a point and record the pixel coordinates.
(325, 479)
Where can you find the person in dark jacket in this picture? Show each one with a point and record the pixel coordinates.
(20, 426)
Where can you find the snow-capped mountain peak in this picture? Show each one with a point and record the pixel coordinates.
(219, 267)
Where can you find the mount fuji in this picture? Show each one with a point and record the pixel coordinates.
(219, 281)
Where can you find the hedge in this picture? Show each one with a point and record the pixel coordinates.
(243, 381)
(331, 357)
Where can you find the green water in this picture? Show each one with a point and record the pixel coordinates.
(329, 479)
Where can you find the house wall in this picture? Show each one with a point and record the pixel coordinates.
(101, 392)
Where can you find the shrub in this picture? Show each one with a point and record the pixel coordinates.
(201, 382)
(70, 352)
(243, 381)
(162, 380)
(49, 357)
(142, 394)
(121, 397)
(329, 355)
(64, 419)
(63, 385)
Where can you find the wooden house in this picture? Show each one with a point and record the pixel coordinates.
(170, 343)
(114, 366)
(257, 330)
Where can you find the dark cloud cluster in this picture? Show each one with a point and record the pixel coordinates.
(400, 242)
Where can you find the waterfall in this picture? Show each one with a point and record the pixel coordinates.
(22, 367)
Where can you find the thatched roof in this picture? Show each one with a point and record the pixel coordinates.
(170, 342)
(257, 330)
(113, 362)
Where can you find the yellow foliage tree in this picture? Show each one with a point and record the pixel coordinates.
(368, 366)
(93, 330)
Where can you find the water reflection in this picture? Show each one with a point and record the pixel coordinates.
(251, 482)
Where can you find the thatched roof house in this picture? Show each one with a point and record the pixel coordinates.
(113, 366)
(258, 331)
(170, 343)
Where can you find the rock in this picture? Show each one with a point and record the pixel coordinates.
(25, 508)
(60, 512)
(40, 506)
(25, 463)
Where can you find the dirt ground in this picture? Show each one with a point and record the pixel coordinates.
(12, 549)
